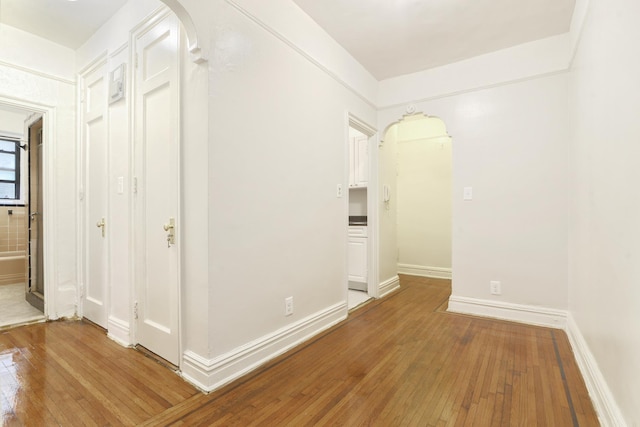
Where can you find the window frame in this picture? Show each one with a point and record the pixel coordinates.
(16, 181)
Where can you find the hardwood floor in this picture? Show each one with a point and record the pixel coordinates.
(398, 361)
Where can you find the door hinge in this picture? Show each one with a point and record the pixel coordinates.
(135, 310)
(135, 184)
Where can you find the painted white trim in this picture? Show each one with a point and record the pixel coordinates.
(580, 15)
(388, 286)
(117, 51)
(300, 51)
(211, 374)
(609, 413)
(96, 62)
(52, 288)
(425, 271)
(472, 90)
(529, 314)
(193, 42)
(118, 331)
(38, 73)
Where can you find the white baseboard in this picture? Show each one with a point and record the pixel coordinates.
(529, 314)
(388, 286)
(425, 271)
(211, 374)
(605, 405)
(118, 330)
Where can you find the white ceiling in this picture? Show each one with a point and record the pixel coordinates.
(388, 37)
(394, 37)
(69, 23)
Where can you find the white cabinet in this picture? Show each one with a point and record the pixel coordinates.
(357, 254)
(358, 162)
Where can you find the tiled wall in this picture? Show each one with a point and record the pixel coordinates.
(13, 233)
(13, 238)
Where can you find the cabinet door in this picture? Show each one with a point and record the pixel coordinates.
(352, 162)
(362, 161)
(358, 259)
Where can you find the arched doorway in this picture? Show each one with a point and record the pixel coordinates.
(417, 170)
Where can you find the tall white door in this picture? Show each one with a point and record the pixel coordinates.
(94, 146)
(156, 175)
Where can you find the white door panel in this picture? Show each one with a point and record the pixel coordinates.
(94, 145)
(157, 197)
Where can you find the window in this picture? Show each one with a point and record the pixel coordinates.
(9, 169)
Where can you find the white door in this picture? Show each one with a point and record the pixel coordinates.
(156, 187)
(362, 160)
(94, 146)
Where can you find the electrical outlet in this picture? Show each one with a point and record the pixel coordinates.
(494, 287)
(288, 306)
(339, 191)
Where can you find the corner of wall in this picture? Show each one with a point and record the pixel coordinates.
(604, 403)
(211, 374)
(390, 285)
(532, 315)
(118, 330)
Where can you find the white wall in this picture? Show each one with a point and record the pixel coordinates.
(510, 145)
(37, 75)
(277, 227)
(12, 122)
(424, 180)
(604, 296)
(387, 228)
(27, 52)
(260, 168)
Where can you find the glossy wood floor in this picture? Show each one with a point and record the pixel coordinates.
(397, 361)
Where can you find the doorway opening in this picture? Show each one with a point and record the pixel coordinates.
(360, 201)
(423, 191)
(22, 288)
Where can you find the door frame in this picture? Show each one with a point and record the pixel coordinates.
(49, 200)
(352, 121)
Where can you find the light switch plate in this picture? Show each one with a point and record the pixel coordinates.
(467, 193)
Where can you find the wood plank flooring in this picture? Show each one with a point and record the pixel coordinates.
(398, 361)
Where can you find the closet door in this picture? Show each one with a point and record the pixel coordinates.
(95, 154)
(157, 183)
